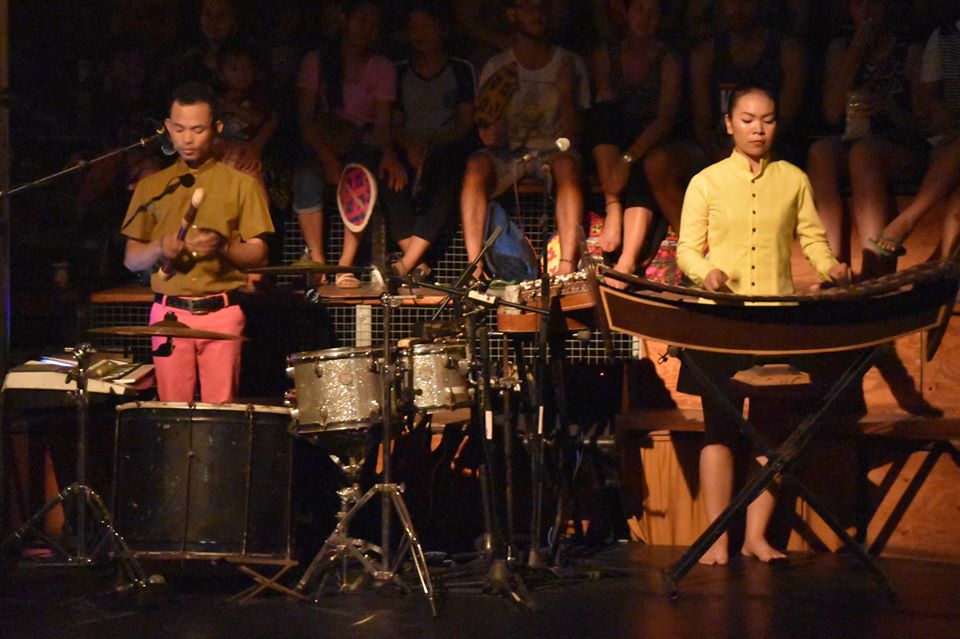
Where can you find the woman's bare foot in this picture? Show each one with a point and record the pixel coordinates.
(620, 268)
(718, 555)
(761, 550)
(611, 235)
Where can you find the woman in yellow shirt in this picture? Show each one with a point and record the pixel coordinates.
(746, 209)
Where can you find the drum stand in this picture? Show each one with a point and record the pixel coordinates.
(499, 576)
(339, 545)
(779, 462)
(83, 499)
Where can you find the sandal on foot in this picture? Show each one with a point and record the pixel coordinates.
(347, 280)
(897, 244)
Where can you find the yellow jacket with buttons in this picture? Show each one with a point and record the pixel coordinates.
(748, 223)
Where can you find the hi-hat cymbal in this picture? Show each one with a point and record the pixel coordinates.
(306, 269)
(164, 328)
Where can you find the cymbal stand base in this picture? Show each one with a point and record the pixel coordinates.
(113, 542)
(340, 548)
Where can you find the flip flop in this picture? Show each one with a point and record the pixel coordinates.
(347, 280)
(897, 251)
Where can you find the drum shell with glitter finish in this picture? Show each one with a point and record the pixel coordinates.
(195, 480)
(438, 382)
(336, 388)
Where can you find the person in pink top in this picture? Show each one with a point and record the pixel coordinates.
(344, 100)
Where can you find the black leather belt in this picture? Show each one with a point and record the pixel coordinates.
(199, 305)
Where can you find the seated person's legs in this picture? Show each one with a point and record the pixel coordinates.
(477, 181)
(940, 179)
(949, 244)
(308, 188)
(873, 162)
(668, 168)
(638, 219)
(611, 171)
(566, 173)
(440, 185)
(826, 167)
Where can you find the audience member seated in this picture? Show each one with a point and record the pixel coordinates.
(219, 22)
(345, 98)
(869, 82)
(481, 28)
(638, 81)
(546, 86)
(435, 94)
(248, 119)
(747, 49)
(940, 107)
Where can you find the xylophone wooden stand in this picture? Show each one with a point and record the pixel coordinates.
(780, 462)
(859, 320)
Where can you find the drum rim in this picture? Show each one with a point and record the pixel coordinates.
(435, 347)
(304, 427)
(202, 406)
(328, 354)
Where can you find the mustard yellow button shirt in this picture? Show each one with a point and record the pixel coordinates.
(748, 223)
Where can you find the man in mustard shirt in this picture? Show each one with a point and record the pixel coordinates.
(739, 219)
(206, 266)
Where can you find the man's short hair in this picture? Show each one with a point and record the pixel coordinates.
(194, 92)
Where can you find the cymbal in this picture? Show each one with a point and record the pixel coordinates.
(307, 269)
(164, 328)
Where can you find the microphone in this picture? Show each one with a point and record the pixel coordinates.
(561, 144)
(160, 133)
(166, 145)
(187, 180)
(195, 200)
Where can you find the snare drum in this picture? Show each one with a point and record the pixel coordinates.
(198, 480)
(438, 383)
(336, 388)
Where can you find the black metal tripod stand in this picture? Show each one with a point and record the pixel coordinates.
(85, 503)
(339, 547)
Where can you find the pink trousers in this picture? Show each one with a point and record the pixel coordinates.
(216, 361)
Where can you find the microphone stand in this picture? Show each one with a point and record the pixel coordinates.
(81, 555)
(81, 164)
(499, 578)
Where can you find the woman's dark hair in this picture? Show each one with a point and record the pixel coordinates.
(332, 58)
(749, 87)
(194, 92)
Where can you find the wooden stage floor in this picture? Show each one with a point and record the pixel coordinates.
(817, 595)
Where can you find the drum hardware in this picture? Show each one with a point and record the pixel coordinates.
(153, 137)
(86, 502)
(339, 547)
(499, 576)
(465, 276)
(169, 326)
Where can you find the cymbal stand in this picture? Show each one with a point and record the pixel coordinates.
(339, 545)
(85, 499)
(499, 578)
